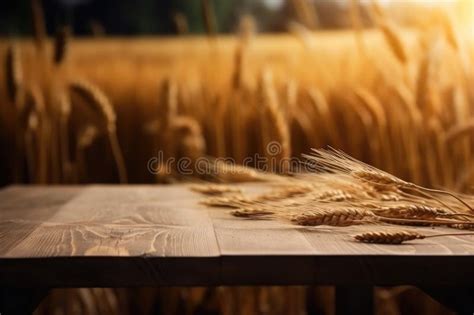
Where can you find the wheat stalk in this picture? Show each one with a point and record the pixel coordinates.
(275, 125)
(357, 25)
(247, 28)
(169, 103)
(64, 104)
(15, 93)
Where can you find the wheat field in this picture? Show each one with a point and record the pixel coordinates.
(230, 97)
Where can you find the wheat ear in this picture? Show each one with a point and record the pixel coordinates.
(61, 45)
(389, 31)
(337, 161)
(97, 29)
(13, 73)
(398, 237)
(85, 137)
(39, 25)
(100, 104)
(459, 131)
(388, 237)
(32, 116)
(305, 13)
(251, 212)
(339, 217)
(97, 101)
(413, 211)
(188, 132)
(180, 23)
(208, 18)
(391, 35)
(381, 178)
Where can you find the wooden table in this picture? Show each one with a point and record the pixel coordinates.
(123, 236)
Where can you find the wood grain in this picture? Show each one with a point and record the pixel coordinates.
(160, 235)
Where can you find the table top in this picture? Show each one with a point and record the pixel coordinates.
(147, 235)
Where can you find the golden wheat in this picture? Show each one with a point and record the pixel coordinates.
(387, 237)
(337, 217)
(398, 237)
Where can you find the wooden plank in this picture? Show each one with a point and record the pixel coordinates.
(339, 241)
(23, 209)
(123, 221)
(117, 236)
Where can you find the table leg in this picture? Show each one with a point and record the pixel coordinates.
(354, 300)
(20, 301)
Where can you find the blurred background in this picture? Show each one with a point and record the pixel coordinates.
(149, 17)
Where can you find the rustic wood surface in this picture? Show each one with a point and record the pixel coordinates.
(160, 235)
